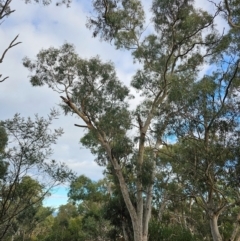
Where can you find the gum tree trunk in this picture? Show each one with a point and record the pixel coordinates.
(214, 228)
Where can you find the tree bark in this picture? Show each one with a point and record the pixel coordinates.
(125, 233)
(234, 236)
(214, 228)
(236, 231)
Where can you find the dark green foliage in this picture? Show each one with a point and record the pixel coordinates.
(121, 21)
(93, 86)
(47, 2)
(116, 212)
(30, 147)
(84, 189)
(3, 139)
(3, 144)
(159, 232)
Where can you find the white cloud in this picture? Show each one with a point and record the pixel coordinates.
(41, 27)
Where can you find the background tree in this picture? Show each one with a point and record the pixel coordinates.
(44, 225)
(66, 225)
(90, 198)
(27, 153)
(23, 225)
(3, 143)
(206, 157)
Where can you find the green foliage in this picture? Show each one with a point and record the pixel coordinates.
(3, 139)
(27, 223)
(116, 212)
(103, 214)
(84, 189)
(118, 20)
(159, 232)
(94, 86)
(47, 2)
(30, 148)
(65, 226)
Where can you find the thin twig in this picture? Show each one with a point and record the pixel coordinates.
(80, 126)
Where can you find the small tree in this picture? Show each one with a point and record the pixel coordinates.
(27, 153)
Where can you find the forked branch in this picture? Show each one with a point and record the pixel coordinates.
(229, 16)
(12, 44)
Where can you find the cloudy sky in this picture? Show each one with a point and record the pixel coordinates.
(40, 27)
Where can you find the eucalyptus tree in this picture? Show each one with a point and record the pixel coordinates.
(64, 225)
(206, 157)
(101, 203)
(208, 130)
(26, 154)
(170, 53)
(231, 12)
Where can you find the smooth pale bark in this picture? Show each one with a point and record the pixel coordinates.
(137, 226)
(148, 206)
(235, 234)
(236, 231)
(214, 228)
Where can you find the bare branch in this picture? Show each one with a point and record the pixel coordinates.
(12, 44)
(3, 78)
(81, 126)
(5, 11)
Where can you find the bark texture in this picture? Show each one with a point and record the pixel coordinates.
(214, 228)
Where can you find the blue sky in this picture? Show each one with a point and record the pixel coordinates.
(41, 27)
(57, 198)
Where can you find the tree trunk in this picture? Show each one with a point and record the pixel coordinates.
(214, 227)
(125, 233)
(140, 232)
(236, 231)
(145, 238)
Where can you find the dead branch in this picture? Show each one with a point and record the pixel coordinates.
(12, 44)
(3, 78)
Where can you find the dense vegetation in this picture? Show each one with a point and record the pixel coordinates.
(171, 163)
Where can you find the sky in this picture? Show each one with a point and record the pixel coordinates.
(41, 27)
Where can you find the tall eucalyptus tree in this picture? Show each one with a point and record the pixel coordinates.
(170, 55)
